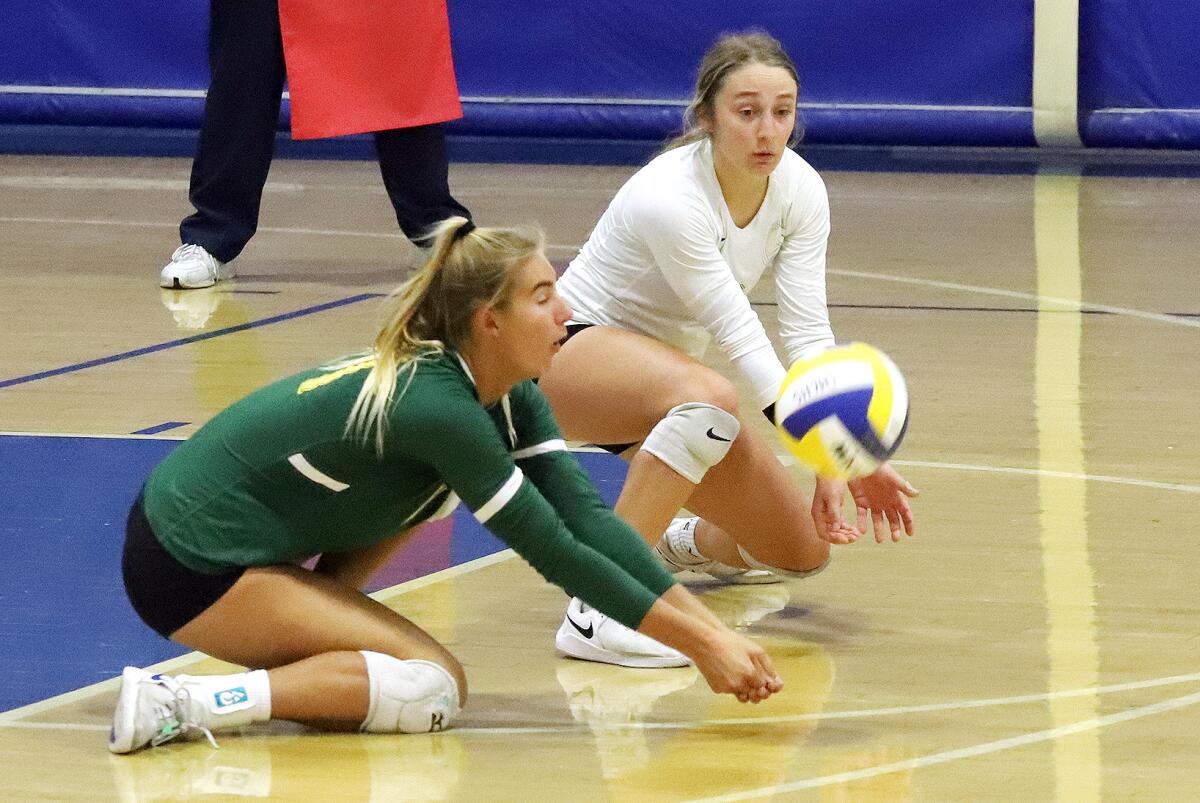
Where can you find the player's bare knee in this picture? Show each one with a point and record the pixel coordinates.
(411, 696)
(707, 386)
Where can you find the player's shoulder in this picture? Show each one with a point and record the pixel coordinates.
(528, 395)
(670, 190)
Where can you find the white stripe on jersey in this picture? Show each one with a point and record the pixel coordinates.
(502, 497)
(316, 475)
(556, 445)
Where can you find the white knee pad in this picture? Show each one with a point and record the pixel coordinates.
(692, 438)
(791, 574)
(411, 696)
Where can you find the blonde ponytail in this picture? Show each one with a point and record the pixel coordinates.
(468, 268)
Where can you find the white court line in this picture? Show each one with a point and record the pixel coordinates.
(1044, 472)
(866, 713)
(787, 460)
(155, 225)
(1066, 303)
(122, 183)
(382, 235)
(112, 684)
(946, 756)
(862, 713)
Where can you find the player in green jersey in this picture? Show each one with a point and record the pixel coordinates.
(345, 462)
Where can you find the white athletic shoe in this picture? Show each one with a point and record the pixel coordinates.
(151, 710)
(677, 549)
(589, 635)
(192, 267)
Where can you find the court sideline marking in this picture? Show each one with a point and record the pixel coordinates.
(1066, 303)
(972, 751)
(787, 460)
(7, 719)
(184, 341)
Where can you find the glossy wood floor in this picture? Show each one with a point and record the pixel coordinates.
(1037, 640)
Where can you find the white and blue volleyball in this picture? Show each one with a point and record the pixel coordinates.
(843, 411)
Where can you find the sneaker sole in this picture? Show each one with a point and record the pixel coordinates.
(575, 646)
(751, 577)
(224, 273)
(175, 284)
(123, 717)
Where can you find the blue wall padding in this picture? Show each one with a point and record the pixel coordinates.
(857, 52)
(1139, 73)
(906, 72)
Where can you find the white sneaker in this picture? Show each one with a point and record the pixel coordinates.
(151, 710)
(677, 549)
(191, 267)
(589, 635)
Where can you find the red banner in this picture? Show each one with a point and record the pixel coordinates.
(367, 65)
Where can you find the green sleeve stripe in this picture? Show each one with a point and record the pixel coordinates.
(556, 445)
(502, 497)
(301, 464)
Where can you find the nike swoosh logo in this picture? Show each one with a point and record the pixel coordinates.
(715, 436)
(586, 632)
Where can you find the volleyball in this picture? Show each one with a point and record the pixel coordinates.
(844, 411)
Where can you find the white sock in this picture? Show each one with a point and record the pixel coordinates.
(681, 538)
(220, 702)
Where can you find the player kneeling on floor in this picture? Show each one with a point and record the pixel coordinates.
(346, 461)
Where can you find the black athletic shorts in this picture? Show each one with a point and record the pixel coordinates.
(164, 592)
(616, 448)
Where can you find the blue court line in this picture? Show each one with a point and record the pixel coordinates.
(157, 428)
(170, 344)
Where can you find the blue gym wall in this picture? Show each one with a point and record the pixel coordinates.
(923, 72)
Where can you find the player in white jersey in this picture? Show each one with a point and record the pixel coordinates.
(665, 272)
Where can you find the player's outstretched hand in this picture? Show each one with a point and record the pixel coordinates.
(884, 495)
(827, 513)
(733, 664)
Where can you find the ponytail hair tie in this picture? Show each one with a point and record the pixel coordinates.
(462, 231)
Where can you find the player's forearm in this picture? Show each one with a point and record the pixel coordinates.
(693, 636)
(690, 604)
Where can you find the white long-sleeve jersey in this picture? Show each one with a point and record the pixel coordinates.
(666, 260)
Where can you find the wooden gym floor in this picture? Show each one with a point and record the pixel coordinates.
(1036, 640)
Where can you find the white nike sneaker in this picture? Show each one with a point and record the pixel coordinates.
(192, 267)
(589, 635)
(677, 549)
(152, 710)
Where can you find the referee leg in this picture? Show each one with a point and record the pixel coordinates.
(415, 172)
(237, 136)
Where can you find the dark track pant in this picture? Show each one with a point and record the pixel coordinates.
(237, 139)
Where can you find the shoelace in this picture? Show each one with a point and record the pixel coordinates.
(191, 249)
(172, 717)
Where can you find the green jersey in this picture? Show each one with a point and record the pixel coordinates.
(274, 478)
